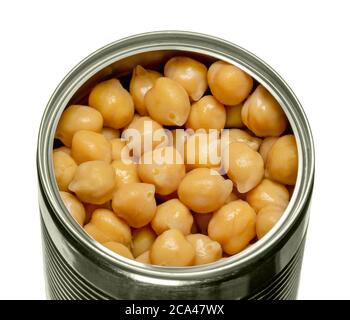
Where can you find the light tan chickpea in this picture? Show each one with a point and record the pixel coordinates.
(234, 117)
(202, 221)
(135, 203)
(125, 173)
(119, 248)
(282, 161)
(141, 82)
(64, 167)
(189, 73)
(89, 146)
(207, 113)
(74, 206)
(142, 240)
(202, 150)
(244, 166)
(233, 226)
(203, 190)
(110, 133)
(113, 102)
(90, 208)
(172, 249)
(167, 102)
(266, 146)
(172, 214)
(117, 149)
(238, 135)
(144, 258)
(149, 135)
(267, 217)
(105, 226)
(63, 149)
(207, 250)
(229, 84)
(94, 182)
(263, 115)
(267, 193)
(163, 167)
(75, 118)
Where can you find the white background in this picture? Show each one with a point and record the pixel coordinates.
(307, 42)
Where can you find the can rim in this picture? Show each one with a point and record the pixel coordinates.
(190, 42)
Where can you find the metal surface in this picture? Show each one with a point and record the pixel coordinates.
(79, 267)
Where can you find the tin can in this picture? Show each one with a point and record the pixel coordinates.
(77, 267)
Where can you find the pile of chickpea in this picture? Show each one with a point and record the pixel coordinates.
(176, 214)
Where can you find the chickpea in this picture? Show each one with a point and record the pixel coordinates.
(267, 193)
(114, 102)
(117, 149)
(144, 258)
(110, 133)
(229, 84)
(263, 115)
(141, 82)
(163, 167)
(125, 173)
(245, 167)
(94, 182)
(119, 248)
(237, 135)
(172, 249)
(266, 146)
(64, 167)
(202, 150)
(63, 149)
(168, 103)
(203, 190)
(135, 203)
(106, 226)
(202, 221)
(142, 240)
(90, 208)
(76, 118)
(282, 161)
(89, 146)
(207, 113)
(74, 206)
(150, 135)
(267, 217)
(189, 73)
(233, 226)
(207, 250)
(233, 116)
(172, 214)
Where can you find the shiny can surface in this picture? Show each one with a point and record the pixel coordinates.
(76, 267)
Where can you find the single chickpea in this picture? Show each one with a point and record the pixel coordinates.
(119, 248)
(94, 182)
(63, 149)
(163, 167)
(144, 258)
(244, 166)
(117, 149)
(76, 118)
(266, 146)
(267, 193)
(207, 113)
(207, 250)
(203, 190)
(89, 146)
(141, 82)
(233, 226)
(172, 249)
(202, 220)
(106, 226)
(267, 217)
(125, 173)
(90, 208)
(135, 203)
(64, 167)
(263, 115)
(74, 207)
(282, 161)
(110, 133)
(172, 214)
(234, 117)
(114, 102)
(167, 102)
(189, 73)
(228, 83)
(238, 135)
(142, 240)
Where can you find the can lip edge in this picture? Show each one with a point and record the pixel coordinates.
(45, 167)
